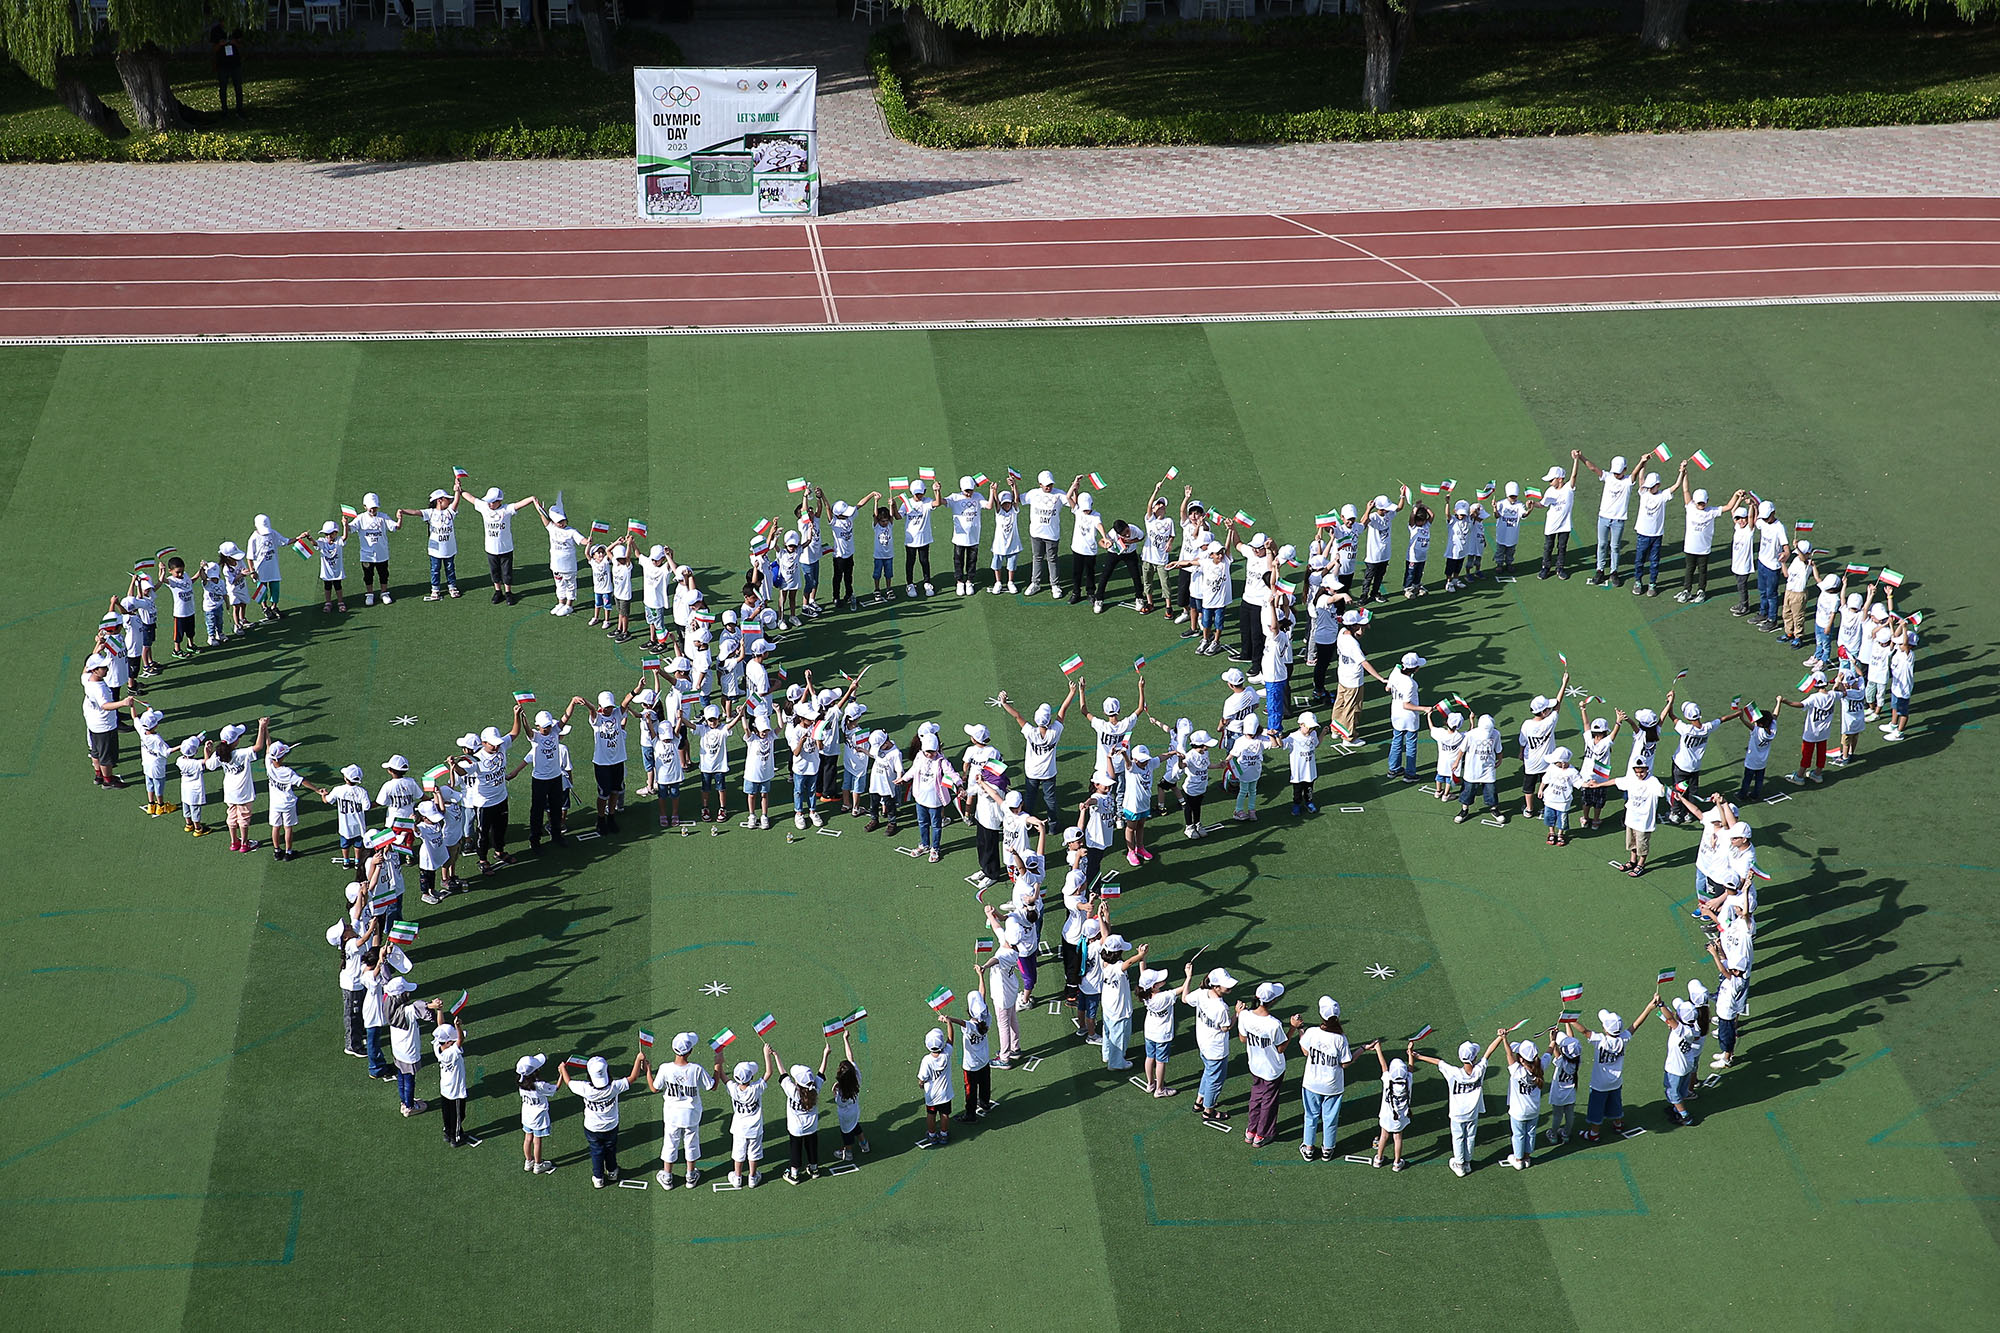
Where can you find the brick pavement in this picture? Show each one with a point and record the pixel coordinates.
(872, 176)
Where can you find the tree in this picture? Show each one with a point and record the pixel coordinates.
(929, 22)
(46, 39)
(1385, 28)
(1665, 25)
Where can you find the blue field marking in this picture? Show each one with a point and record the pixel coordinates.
(287, 1251)
(1881, 1140)
(1792, 1160)
(187, 1002)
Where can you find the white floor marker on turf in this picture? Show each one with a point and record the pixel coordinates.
(1031, 1064)
(827, 832)
(631, 1184)
(1140, 1084)
(1630, 1133)
(1362, 1158)
(1350, 809)
(842, 1168)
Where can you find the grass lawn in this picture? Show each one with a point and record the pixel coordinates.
(1308, 65)
(190, 1147)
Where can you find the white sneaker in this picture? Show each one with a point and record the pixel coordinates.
(1457, 1167)
(386, 599)
(1886, 728)
(996, 590)
(1895, 735)
(1010, 585)
(368, 599)
(693, 1177)
(909, 590)
(735, 1181)
(556, 610)
(798, 821)
(1033, 588)
(756, 1179)
(1514, 1161)
(928, 590)
(666, 1179)
(1816, 776)
(1055, 591)
(818, 819)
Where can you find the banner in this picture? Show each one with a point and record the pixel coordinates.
(727, 143)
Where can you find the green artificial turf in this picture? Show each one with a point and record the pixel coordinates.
(190, 1147)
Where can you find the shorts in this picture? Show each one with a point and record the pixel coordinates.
(1899, 704)
(854, 783)
(939, 1108)
(1134, 816)
(666, 790)
(885, 568)
(146, 633)
(1087, 1006)
(1676, 1086)
(610, 778)
(1605, 1106)
(535, 1131)
(1211, 619)
(183, 627)
(602, 601)
(713, 781)
(566, 586)
(1159, 1050)
(103, 747)
(284, 819)
(346, 842)
(1638, 843)
(746, 1146)
(624, 605)
(751, 788)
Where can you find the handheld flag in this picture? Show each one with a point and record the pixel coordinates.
(1111, 888)
(1421, 1033)
(1664, 454)
(458, 1005)
(1458, 702)
(764, 1024)
(1563, 658)
(926, 474)
(1857, 569)
(144, 566)
(1805, 682)
(1702, 460)
(524, 696)
(1428, 489)
(349, 512)
(1012, 475)
(979, 479)
(1666, 976)
(1518, 1026)
(982, 946)
(645, 1038)
(1803, 525)
(160, 556)
(1891, 577)
(1760, 874)
(1173, 473)
(403, 932)
(899, 483)
(432, 776)
(1916, 617)
(459, 474)
(940, 997)
(1569, 1016)
(1244, 520)
(576, 1062)
(833, 1026)
(796, 485)
(1138, 664)
(1486, 490)
(1682, 672)
(599, 528)
(304, 548)
(1326, 520)
(1097, 480)
(762, 528)
(1533, 493)
(1072, 665)
(636, 527)
(721, 1039)
(1571, 993)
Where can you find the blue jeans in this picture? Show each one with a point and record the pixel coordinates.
(1676, 1086)
(444, 566)
(1117, 1036)
(212, 615)
(1524, 1138)
(1044, 791)
(1768, 584)
(1752, 787)
(1462, 1132)
(1823, 644)
(930, 827)
(1725, 1035)
(376, 1064)
(1322, 1118)
(1468, 790)
(1604, 1105)
(803, 787)
(603, 1151)
(1212, 1073)
(406, 1088)
(1403, 748)
(1646, 559)
(1610, 532)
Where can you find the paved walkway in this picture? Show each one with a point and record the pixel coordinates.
(873, 176)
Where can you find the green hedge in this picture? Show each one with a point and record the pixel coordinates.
(1327, 125)
(520, 141)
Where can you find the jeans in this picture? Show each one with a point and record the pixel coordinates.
(1769, 585)
(1823, 644)
(964, 562)
(1117, 1036)
(1610, 533)
(445, 568)
(1462, 1132)
(1042, 790)
(803, 787)
(1468, 790)
(1212, 1073)
(1403, 746)
(843, 577)
(406, 1088)
(1646, 560)
(1752, 786)
(1322, 1117)
(1524, 1138)
(356, 1036)
(377, 1066)
(930, 827)
(603, 1151)
(1725, 1034)
(1503, 559)
(1043, 557)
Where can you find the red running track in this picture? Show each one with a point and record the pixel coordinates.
(150, 285)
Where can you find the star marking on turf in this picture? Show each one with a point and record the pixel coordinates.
(1381, 973)
(716, 988)
(406, 720)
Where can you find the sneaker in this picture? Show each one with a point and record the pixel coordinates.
(1638, 590)
(1307, 1151)
(435, 596)
(666, 1179)
(1458, 1168)
(1010, 585)
(1096, 607)
(1033, 588)
(1697, 599)
(432, 898)
(1055, 591)
(933, 858)
(1817, 775)
(1513, 1161)
(1397, 1165)
(909, 590)
(798, 821)
(386, 600)
(1895, 735)
(928, 590)
(1795, 777)
(818, 820)
(1681, 596)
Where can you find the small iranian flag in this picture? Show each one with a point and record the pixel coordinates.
(303, 547)
(524, 696)
(1518, 1026)
(1759, 873)
(384, 894)
(899, 483)
(762, 528)
(1598, 771)
(1571, 993)
(1917, 618)
(1429, 489)
(599, 528)
(1326, 520)
(649, 664)
(1563, 658)
(144, 566)
(1857, 569)
(403, 932)
(1681, 787)
(796, 485)
(1097, 480)
(1449, 485)
(637, 527)
(1533, 493)
(459, 474)
(376, 840)
(1803, 525)
(1072, 664)
(1421, 1033)
(764, 1024)
(576, 1062)
(1666, 976)
(835, 1025)
(1891, 577)
(1244, 520)
(1110, 889)
(432, 776)
(165, 551)
(1288, 587)
(1486, 490)
(721, 1039)
(1138, 664)
(759, 545)
(982, 946)
(1458, 702)
(1664, 454)
(1333, 724)
(926, 474)
(940, 997)
(349, 512)
(1805, 681)
(1172, 473)
(1682, 672)
(1013, 475)
(458, 1005)
(979, 479)
(645, 1038)
(1702, 460)
(1569, 1016)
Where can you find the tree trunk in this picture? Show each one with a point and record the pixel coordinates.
(1386, 27)
(929, 43)
(1665, 25)
(596, 37)
(144, 74)
(79, 100)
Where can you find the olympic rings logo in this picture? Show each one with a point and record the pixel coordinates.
(677, 95)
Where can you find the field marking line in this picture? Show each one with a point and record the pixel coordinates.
(1364, 250)
(820, 273)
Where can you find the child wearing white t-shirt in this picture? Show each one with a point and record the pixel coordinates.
(534, 1113)
(1558, 790)
(1393, 1117)
(1006, 538)
(846, 1099)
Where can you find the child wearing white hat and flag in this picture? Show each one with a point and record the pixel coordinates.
(1525, 1082)
(1614, 507)
(371, 527)
(1393, 1116)
(1465, 1084)
(564, 544)
(534, 1112)
(680, 1085)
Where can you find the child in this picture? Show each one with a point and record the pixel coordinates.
(975, 1059)
(407, 1015)
(1818, 706)
(534, 1113)
(284, 783)
(1597, 743)
(1686, 1034)
(934, 1078)
(1327, 1056)
(746, 1123)
(1466, 1096)
(1417, 551)
(433, 854)
(236, 579)
(351, 803)
(448, 1049)
(332, 546)
(214, 597)
(1558, 790)
(1137, 807)
(1732, 999)
(1006, 538)
(600, 587)
(564, 542)
(1565, 1056)
(1763, 728)
(262, 563)
(1853, 718)
(1525, 1083)
(600, 1113)
(1303, 745)
(885, 552)
(154, 757)
(1159, 997)
(680, 1085)
(181, 588)
(1457, 545)
(146, 614)
(1451, 755)
(760, 766)
(842, 525)
(1246, 767)
(1607, 1073)
(801, 1086)
(670, 760)
(846, 1099)
(1195, 767)
(885, 778)
(711, 741)
(1902, 684)
(193, 767)
(373, 527)
(1394, 1116)
(238, 765)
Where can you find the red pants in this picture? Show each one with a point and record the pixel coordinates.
(1812, 754)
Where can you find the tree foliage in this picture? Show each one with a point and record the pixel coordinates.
(38, 35)
(1020, 18)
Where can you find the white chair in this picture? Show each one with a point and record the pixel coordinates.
(1239, 9)
(393, 9)
(1132, 11)
(511, 7)
(423, 14)
(559, 12)
(868, 9)
(1210, 9)
(457, 13)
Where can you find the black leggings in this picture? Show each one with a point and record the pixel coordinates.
(1696, 578)
(912, 557)
(805, 1150)
(843, 577)
(1129, 562)
(501, 567)
(964, 562)
(1554, 549)
(978, 1090)
(1191, 808)
(1082, 575)
(492, 831)
(373, 572)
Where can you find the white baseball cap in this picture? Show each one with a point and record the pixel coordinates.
(1691, 711)
(493, 495)
(232, 733)
(396, 763)
(600, 1072)
(1219, 977)
(352, 773)
(1468, 1051)
(528, 1064)
(1411, 661)
(1766, 509)
(745, 1071)
(978, 732)
(1329, 1007)
(934, 1039)
(1310, 720)
(328, 528)
(1618, 463)
(1513, 488)
(1269, 991)
(684, 1042)
(1111, 704)
(965, 483)
(1045, 478)
(1700, 497)
(1554, 474)
(917, 487)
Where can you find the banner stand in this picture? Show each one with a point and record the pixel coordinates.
(726, 143)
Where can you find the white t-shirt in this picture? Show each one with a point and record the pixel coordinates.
(1159, 540)
(1771, 543)
(1379, 527)
(600, 1105)
(239, 775)
(1264, 1038)
(1045, 513)
(499, 522)
(1653, 513)
(98, 716)
(917, 520)
(1039, 760)
(1482, 755)
(1684, 1043)
(1465, 1090)
(1394, 1113)
(1212, 1022)
(964, 518)
(680, 1087)
(1326, 1053)
(1160, 1016)
(1616, 502)
(1562, 1077)
(746, 1107)
(1402, 691)
(800, 1119)
(1349, 659)
(934, 1074)
(1642, 801)
(1536, 735)
(1608, 1073)
(1699, 535)
(1524, 1095)
(1507, 516)
(373, 528)
(442, 543)
(1694, 743)
(1557, 505)
(1559, 786)
(564, 543)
